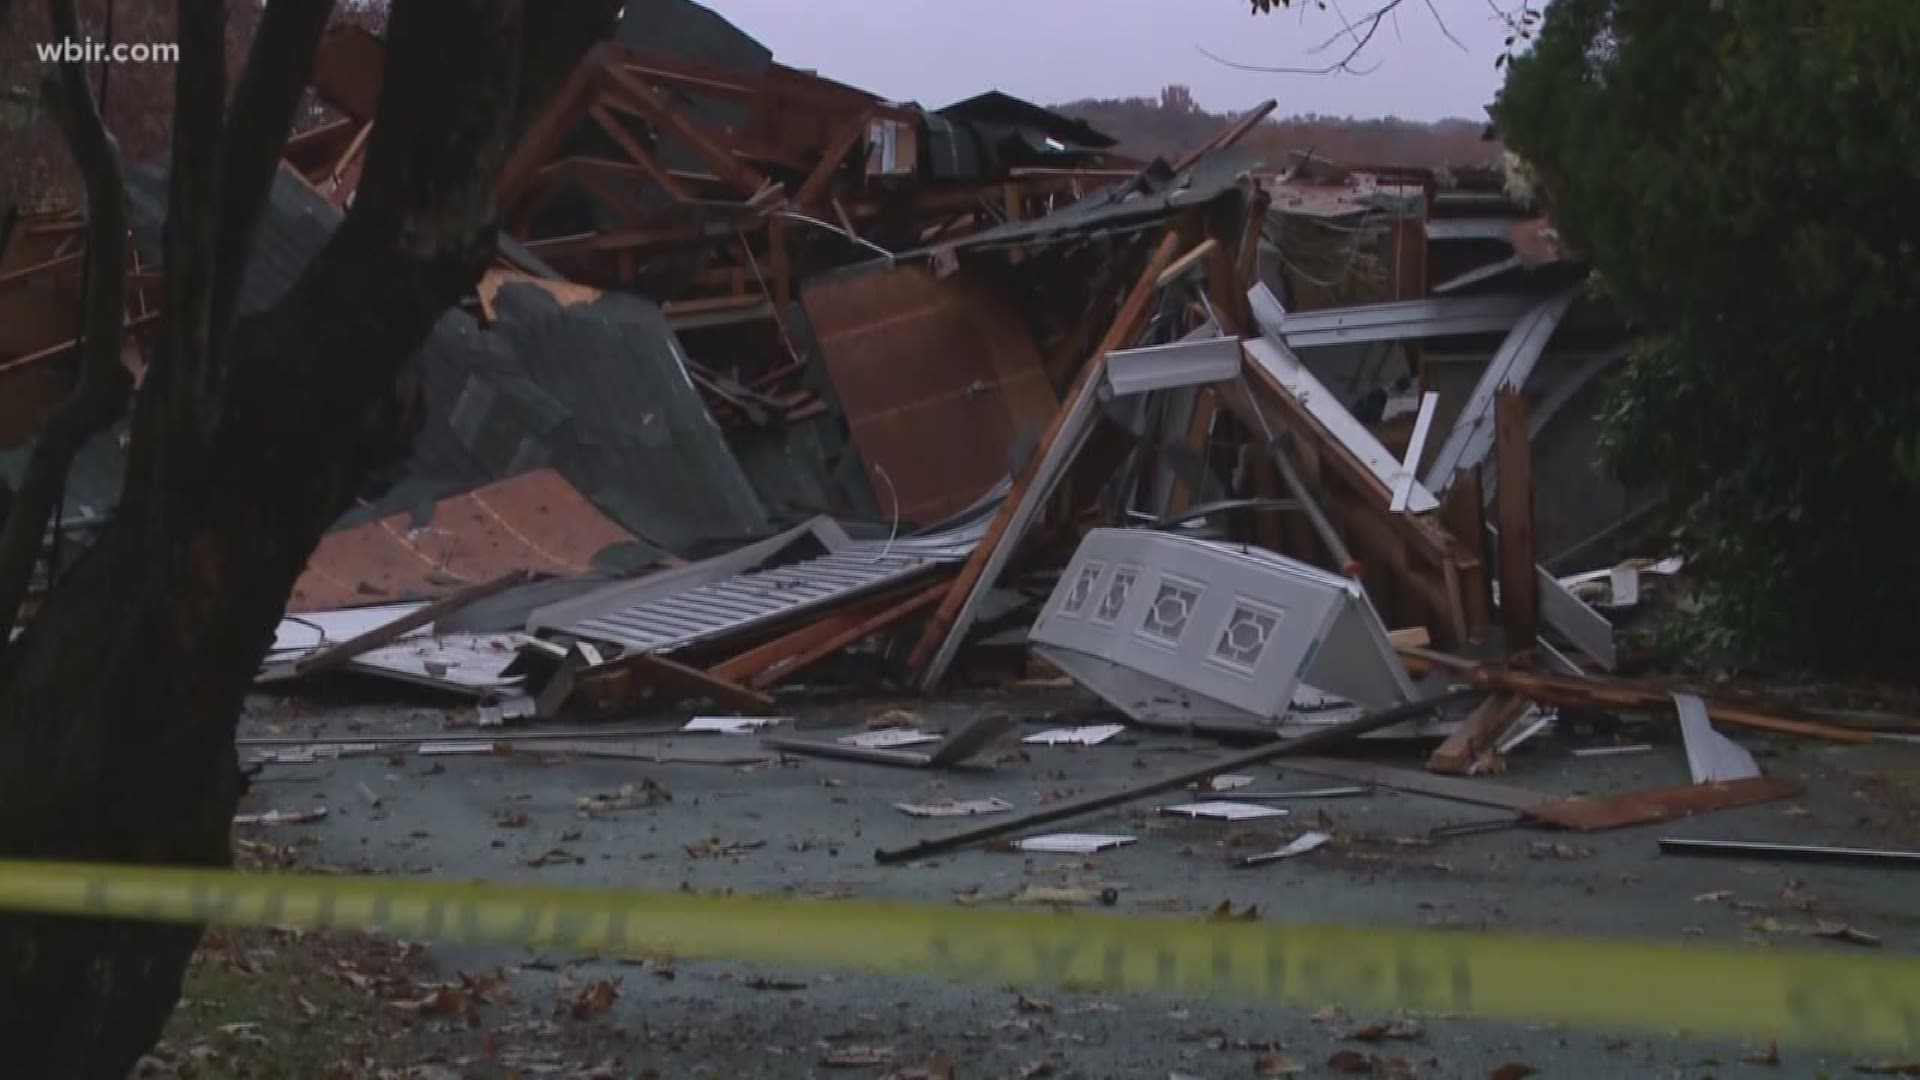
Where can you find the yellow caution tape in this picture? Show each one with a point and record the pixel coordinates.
(1853, 1002)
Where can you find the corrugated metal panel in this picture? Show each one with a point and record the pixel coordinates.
(936, 380)
(664, 622)
(535, 521)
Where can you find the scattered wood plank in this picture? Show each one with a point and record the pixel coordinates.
(340, 653)
(801, 640)
(1228, 137)
(1185, 262)
(1598, 693)
(865, 628)
(1664, 804)
(1478, 734)
(1415, 637)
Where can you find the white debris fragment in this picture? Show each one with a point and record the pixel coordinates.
(1085, 735)
(889, 738)
(955, 808)
(282, 817)
(1073, 843)
(1300, 845)
(1221, 810)
(732, 725)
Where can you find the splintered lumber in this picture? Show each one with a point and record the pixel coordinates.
(1664, 804)
(341, 653)
(743, 177)
(1185, 262)
(617, 131)
(764, 665)
(1228, 137)
(1595, 693)
(622, 679)
(817, 181)
(1477, 734)
(941, 639)
(1513, 496)
(1260, 755)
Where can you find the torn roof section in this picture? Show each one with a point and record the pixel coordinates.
(534, 521)
(598, 391)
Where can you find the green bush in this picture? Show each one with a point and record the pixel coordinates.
(1744, 177)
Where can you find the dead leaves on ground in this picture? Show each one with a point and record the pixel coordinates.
(590, 1001)
(1355, 1063)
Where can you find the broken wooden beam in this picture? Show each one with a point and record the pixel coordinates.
(1477, 734)
(785, 652)
(1228, 137)
(821, 178)
(1663, 804)
(343, 652)
(1596, 693)
(843, 637)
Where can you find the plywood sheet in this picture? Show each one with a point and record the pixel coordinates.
(937, 380)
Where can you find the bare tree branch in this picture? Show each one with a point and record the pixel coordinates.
(1360, 37)
(101, 390)
(279, 66)
(1360, 33)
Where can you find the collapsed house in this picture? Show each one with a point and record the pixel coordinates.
(769, 370)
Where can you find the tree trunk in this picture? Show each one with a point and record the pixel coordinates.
(117, 708)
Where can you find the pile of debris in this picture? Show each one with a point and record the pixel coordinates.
(778, 386)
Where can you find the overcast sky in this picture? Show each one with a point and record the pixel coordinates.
(936, 52)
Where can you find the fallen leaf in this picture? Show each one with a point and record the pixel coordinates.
(1769, 1056)
(1275, 1063)
(592, 1000)
(938, 1067)
(1351, 1062)
(1843, 932)
(1713, 897)
(1327, 1015)
(1513, 1070)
